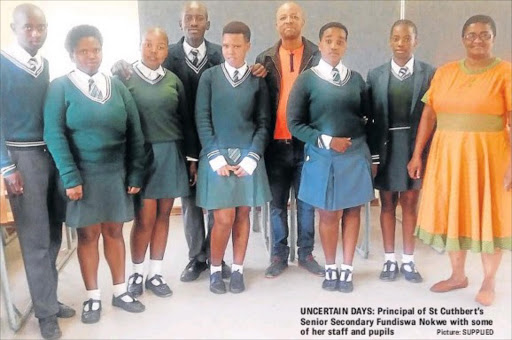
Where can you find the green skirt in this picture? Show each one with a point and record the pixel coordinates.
(219, 192)
(104, 199)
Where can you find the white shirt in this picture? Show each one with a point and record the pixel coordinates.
(201, 51)
(81, 79)
(231, 70)
(22, 56)
(396, 68)
(149, 73)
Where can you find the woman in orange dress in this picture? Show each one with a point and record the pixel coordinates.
(466, 199)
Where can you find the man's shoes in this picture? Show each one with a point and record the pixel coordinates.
(447, 285)
(389, 271)
(236, 284)
(226, 271)
(277, 266)
(410, 273)
(49, 327)
(134, 306)
(65, 311)
(158, 286)
(217, 285)
(331, 285)
(345, 285)
(88, 314)
(192, 271)
(135, 284)
(310, 264)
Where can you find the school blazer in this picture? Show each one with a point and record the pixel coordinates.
(377, 85)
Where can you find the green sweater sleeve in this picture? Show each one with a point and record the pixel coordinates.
(297, 112)
(262, 119)
(204, 116)
(134, 141)
(189, 129)
(55, 134)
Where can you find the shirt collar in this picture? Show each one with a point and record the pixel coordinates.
(149, 73)
(410, 65)
(19, 53)
(201, 50)
(325, 69)
(231, 70)
(83, 80)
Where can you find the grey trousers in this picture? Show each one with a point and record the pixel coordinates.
(38, 215)
(193, 221)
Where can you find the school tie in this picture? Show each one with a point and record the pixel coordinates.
(234, 154)
(235, 76)
(402, 73)
(336, 75)
(32, 64)
(94, 91)
(195, 60)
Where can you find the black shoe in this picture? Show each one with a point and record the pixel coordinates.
(226, 271)
(331, 285)
(192, 271)
(236, 284)
(310, 264)
(65, 311)
(344, 285)
(277, 266)
(162, 289)
(389, 271)
(217, 285)
(134, 306)
(411, 275)
(135, 288)
(49, 327)
(91, 316)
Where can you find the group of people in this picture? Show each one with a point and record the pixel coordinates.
(194, 120)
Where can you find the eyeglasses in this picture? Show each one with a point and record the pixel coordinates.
(484, 36)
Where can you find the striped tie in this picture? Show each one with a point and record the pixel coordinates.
(336, 75)
(194, 53)
(235, 76)
(94, 91)
(234, 154)
(32, 64)
(402, 73)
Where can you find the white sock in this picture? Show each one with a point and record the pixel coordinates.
(239, 267)
(389, 257)
(94, 294)
(120, 289)
(333, 275)
(345, 267)
(407, 258)
(214, 269)
(155, 268)
(138, 268)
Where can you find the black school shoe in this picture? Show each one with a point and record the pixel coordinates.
(192, 271)
(65, 311)
(412, 275)
(49, 327)
(344, 285)
(91, 316)
(217, 285)
(162, 289)
(236, 284)
(134, 306)
(135, 288)
(389, 271)
(331, 285)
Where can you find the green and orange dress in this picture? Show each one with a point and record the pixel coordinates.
(464, 205)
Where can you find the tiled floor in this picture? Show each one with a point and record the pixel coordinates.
(271, 308)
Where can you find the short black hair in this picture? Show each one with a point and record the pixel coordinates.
(484, 19)
(79, 32)
(406, 22)
(331, 25)
(237, 27)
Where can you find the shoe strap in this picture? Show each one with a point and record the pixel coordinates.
(344, 277)
(410, 264)
(90, 303)
(126, 294)
(133, 278)
(159, 279)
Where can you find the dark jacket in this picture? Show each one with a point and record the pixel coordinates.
(377, 84)
(270, 59)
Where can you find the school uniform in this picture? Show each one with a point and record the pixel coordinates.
(97, 142)
(39, 211)
(233, 131)
(395, 97)
(168, 130)
(181, 60)
(323, 105)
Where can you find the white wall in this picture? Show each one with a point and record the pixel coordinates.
(118, 21)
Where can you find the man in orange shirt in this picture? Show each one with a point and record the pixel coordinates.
(285, 155)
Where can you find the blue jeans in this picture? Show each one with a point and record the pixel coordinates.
(284, 161)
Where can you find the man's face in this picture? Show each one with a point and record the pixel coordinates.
(289, 21)
(194, 22)
(30, 29)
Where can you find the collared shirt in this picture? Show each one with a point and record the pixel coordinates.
(201, 51)
(325, 70)
(288, 78)
(149, 73)
(396, 68)
(231, 70)
(22, 56)
(82, 80)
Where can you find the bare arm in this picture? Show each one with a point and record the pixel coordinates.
(425, 129)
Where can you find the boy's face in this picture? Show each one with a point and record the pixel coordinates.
(402, 42)
(235, 48)
(333, 45)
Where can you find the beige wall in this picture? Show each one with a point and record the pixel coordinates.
(118, 22)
